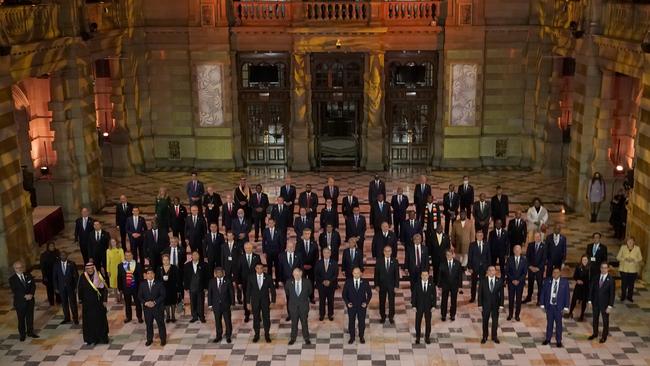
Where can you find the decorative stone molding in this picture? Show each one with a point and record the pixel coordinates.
(209, 80)
(464, 78)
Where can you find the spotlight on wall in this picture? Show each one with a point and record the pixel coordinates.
(45, 171)
(619, 168)
(645, 44)
(105, 134)
(338, 44)
(5, 50)
(563, 210)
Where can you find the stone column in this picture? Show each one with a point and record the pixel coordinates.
(548, 110)
(129, 122)
(16, 227)
(302, 148)
(120, 142)
(373, 129)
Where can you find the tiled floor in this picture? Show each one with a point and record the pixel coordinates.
(453, 343)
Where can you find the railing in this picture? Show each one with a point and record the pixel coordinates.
(296, 12)
(626, 20)
(24, 24)
(106, 15)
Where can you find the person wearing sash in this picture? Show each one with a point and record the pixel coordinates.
(92, 296)
(242, 196)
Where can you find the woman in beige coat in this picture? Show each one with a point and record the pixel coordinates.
(629, 258)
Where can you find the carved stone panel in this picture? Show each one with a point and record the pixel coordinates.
(463, 94)
(209, 80)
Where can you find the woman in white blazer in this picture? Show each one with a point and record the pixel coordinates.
(536, 218)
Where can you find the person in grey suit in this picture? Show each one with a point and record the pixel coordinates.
(152, 296)
(298, 291)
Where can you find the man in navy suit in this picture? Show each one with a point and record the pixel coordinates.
(438, 243)
(135, 228)
(325, 273)
(499, 247)
(379, 213)
(155, 241)
(282, 216)
(516, 269)
(450, 280)
(308, 249)
(450, 203)
(352, 258)
(23, 289)
(420, 193)
(220, 300)
(387, 280)
(271, 247)
(123, 210)
(97, 246)
(195, 190)
(417, 259)
(536, 257)
(288, 194)
(328, 215)
(349, 202)
(65, 278)
(478, 260)
(83, 227)
(302, 222)
(356, 296)
(247, 262)
(376, 187)
(228, 212)
(517, 230)
(331, 239)
(556, 247)
(555, 300)
(331, 191)
(259, 203)
(499, 206)
(597, 254)
(309, 201)
(213, 242)
(290, 259)
(601, 298)
(399, 203)
(195, 230)
(423, 299)
(152, 296)
(466, 196)
(382, 239)
(490, 302)
(410, 227)
(355, 226)
(241, 227)
(177, 218)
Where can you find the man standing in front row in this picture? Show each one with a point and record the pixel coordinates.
(450, 280)
(423, 299)
(601, 298)
(260, 297)
(152, 296)
(356, 296)
(555, 300)
(23, 288)
(490, 301)
(299, 290)
(220, 298)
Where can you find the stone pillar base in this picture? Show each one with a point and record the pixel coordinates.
(300, 150)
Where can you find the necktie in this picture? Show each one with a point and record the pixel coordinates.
(155, 235)
(174, 256)
(352, 254)
(177, 211)
(554, 295)
(399, 199)
(516, 262)
(291, 260)
(195, 185)
(135, 222)
(85, 221)
(241, 221)
(356, 220)
(451, 263)
(22, 278)
(602, 279)
(307, 246)
(536, 247)
(329, 236)
(259, 198)
(97, 235)
(412, 224)
(279, 209)
(304, 220)
(219, 284)
(271, 233)
(214, 237)
(124, 207)
(424, 287)
(63, 267)
(480, 247)
(387, 263)
(308, 200)
(491, 285)
(248, 256)
(260, 281)
(356, 285)
(326, 265)
(422, 187)
(149, 285)
(417, 256)
(595, 250)
(298, 288)
(381, 206)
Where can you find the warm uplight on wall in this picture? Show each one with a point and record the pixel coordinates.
(105, 134)
(267, 138)
(45, 171)
(619, 168)
(563, 211)
(338, 44)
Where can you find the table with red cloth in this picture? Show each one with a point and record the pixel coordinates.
(48, 221)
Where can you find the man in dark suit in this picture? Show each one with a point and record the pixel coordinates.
(450, 279)
(499, 206)
(231, 253)
(212, 204)
(288, 194)
(241, 227)
(466, 196)
(129, 275)
(379, 213)
(177, 220)
(135, 228)
(515, 273)
(417, 259)
(410, 227)
(123, 210)
(259, 300)
(212, 246)
(308, 250)
(450, 203)
(195, 281)
(352, 258)
(356, 296)
(83, 227)
(299, 290)
(195, 190)
(383, 238)
(399, 204)
(195, 230)
(536, 258)
(65, 278)
(326, 273)
(555, 300)
(423, 299)
(220, 299)
(228, 212)
(330, 239)
(289, 260)
(421, 191)
(601, 298)
(97, 245)
(272, 243)
(499, 246)
(309, 201)
(556, 247)
(597, 254)
(247, 263)
(517, 230)
(156, 240)
(349, 202)
(482, 215)
(152, 297)
(23, 288)
(438, 243)
(376, 187)
(355, 226)
(478, 260)
(176, 255)
(387, 280)
(328, 215)
(490, 302)
(331, 191)
(302, 222)
(259, 203)
(282, 216)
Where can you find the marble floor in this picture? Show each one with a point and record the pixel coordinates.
(454, 343)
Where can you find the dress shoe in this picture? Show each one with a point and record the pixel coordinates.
(621, 299)
(351, 341)
(546, 342)
(127, 321)
(417, 341)
(194, 320)
(559, 344)
(496, 340)
(630, 299)
(483, 340)
(509, 317)
(292, 341)
(33, 335)
(592, 337)
(538, 304)
(307, 341)
(65, 322)
(22, 338)
(460, 292)
(228, 340)
(320, 318)
(75, 322)
(217, 340)
(427, 340)
(581, 319)
(163, 343)
(453, 318)
(247, 319)
(202, 320)
(140, 321)
(312, 301)
(148, 343)
(443, 319)
(471, 300)
(382, 320)
(526, 301)
(287, 318)
(391, 320)
(256, 338)
(362, 340)
(602, 340)
(267, 338)
(167, 320)
(173, 320)
(517, 318)
(331, 318)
